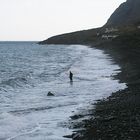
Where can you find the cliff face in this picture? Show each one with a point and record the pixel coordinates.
(128, 13)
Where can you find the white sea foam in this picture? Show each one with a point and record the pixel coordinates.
(26, 112)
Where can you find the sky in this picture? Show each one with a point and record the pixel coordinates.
(36, 20)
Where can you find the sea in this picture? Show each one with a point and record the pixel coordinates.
(28, 71)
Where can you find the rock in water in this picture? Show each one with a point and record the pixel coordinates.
(50, 94)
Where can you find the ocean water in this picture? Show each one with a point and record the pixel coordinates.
(29, 71)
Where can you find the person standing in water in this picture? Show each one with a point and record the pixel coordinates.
(71, 76)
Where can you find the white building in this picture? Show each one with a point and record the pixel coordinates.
(110, 30)
(109, 36)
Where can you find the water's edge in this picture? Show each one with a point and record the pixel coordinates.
(41, 69)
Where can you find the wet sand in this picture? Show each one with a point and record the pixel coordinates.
(118, 116)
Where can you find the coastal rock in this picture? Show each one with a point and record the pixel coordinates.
(50, 94)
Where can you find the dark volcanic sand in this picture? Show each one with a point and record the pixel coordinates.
(118, 116)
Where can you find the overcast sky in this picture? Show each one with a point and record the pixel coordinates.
(40, 19)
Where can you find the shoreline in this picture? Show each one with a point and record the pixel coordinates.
(118, 116)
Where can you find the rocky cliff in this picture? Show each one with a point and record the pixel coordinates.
(128, 13)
